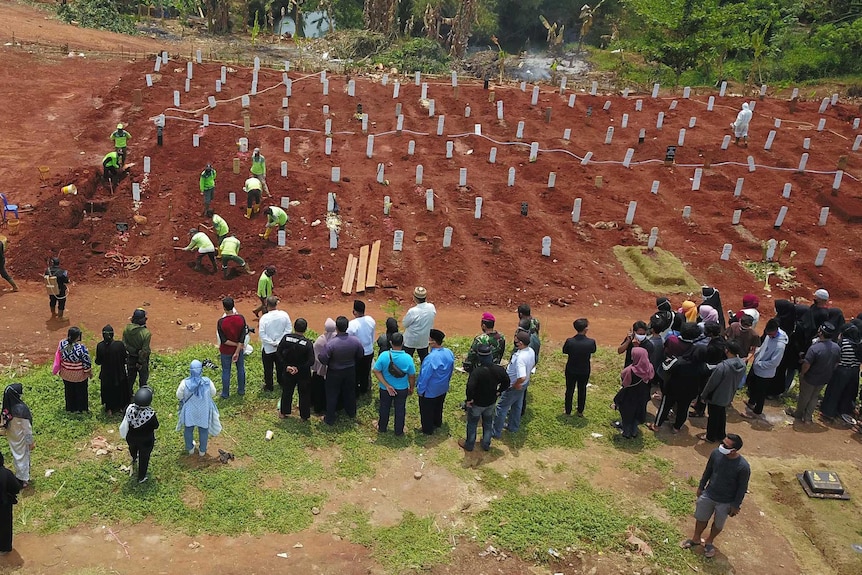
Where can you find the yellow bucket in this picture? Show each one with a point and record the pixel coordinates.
(3, 240)
(13, 226)
(71, 190)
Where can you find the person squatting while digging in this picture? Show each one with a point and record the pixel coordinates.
(138, 428)
(229, 252)
(252, 188)
(275, 218)
(720, 493)
(219, 226)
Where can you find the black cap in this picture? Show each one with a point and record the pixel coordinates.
(483, 349)
(437, 336)
(828, 329)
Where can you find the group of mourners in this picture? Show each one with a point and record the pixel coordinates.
(696, 359)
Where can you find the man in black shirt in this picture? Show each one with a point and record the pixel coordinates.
(579, 349)
(296, 353)
(487, 381)
(720, 492)
(56, 280)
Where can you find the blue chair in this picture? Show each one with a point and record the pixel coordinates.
(7, 207)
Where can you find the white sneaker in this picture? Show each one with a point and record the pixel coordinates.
(192, 451)
(144, 479)
(202, 453)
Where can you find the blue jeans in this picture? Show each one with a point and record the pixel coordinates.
(226, 361)
(203, 436)
(509, 404)
(386, 402)
(486, 414)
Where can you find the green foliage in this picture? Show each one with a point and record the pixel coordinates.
(255, 30)
(347, 13)
(679, 501)
(102, 14)
(414, 54)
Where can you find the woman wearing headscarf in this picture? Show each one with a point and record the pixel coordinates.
(708, 314)
(116, 392)
(630, 399)
(711, 297)
(750, 303)
(9, 489)
(384, 341)
(197, 409)
(75, 370)
(318, 371)
(18, 422)
(689, 310)
(139, 430)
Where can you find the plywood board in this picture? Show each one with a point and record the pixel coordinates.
(362, 270)
(371, 279)
(349, 273)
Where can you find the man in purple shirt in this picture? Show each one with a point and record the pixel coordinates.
(341, 356)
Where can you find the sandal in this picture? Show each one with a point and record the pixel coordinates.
(651, 426)
(689, 543)
(709, 550)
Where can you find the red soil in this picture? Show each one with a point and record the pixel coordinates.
(582, 268)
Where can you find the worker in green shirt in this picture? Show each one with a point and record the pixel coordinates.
(229, 252)
(201, 242)
(208, 178)
(121, 138)
(252, 187)
(275, 218)
(111, 167)
(264, 290)
(220, 226)
(258, 168)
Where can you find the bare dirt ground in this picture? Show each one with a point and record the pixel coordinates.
(62, 110)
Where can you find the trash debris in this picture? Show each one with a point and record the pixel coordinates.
(225, 456)
(49, 472)
(315, 511)
(283, 555)
(595, 435)
(417, 475)
(298, 546)
(194, 545)
(553, 553)
(638, 544)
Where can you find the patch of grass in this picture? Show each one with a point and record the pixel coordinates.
(583, 518)
(677, 500)
(415, 543)
(658, 271)
(422, 54)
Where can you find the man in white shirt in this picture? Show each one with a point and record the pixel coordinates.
(274, 325)
(519, 368)
(417, 324)
(363, 326)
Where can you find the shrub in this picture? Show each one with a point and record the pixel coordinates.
(415, 54)
(103, 14)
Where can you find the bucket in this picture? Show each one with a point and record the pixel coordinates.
(243, 145)
(71, 190)
(3, 240)
(13, 226)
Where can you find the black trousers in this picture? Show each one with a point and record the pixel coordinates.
(135, 372)
(141, 452)
(679, 403)
(317, 392)
(576, 381)
(423, 352)
(757, 390)
(340, 385)
(57, 302)
(363, 374)
(431, 413)
(211, 256)
(76, 394)
(271, 361)
(716, 424)
(303, 386)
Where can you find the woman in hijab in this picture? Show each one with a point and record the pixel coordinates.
(689, 310)
(197, 409)
(9, 489)
(18, 422)
(750, 303)
(630, 399)
(318, 371)
(384, 342)
(111, 355)
(708, 314)
(139, 430)
(711, 297)
(75, 370)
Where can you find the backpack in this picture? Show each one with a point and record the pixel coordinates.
(51, 285)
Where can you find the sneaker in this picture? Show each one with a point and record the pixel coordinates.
(202, 453)
(144, 479)
(192, 451)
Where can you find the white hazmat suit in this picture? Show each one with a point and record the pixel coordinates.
(740, 126)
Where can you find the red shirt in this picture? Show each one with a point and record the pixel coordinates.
(231, 327)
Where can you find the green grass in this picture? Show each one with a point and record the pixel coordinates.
(658, 271)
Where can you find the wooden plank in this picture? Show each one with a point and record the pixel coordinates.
(363, 267)
(349, 270)
(371, 279)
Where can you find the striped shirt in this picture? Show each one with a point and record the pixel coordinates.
(849, 356)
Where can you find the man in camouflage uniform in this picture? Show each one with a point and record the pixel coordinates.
(525, 313)
(490, 337)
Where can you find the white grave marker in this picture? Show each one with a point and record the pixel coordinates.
(628, 159)
(609, 135)
(782, 213)
(751, 166)
(546, 246)
(710, 104)
(534, 99)
(639, 104)
(492, 157)
(824, 215)
(686, 212)
(423, 94)
(630, 214)
(396, 88)
(398, 241)
(411, 147)
(655, 88)
(836, 183)
(467, 112)
(659, 121)
(369, 146)
(287, 144)
(511, 180)
(594, 89)
(725, 252)
(567, 134)
(284, 169)
(429, 200)
(441, 120)
(587, 158)
(282, 238)
(196, 140)
(419, 172)
(576, 211)
(803, 161)
(534, 151)
(680, 141)
(176, 98)
(821, 257)
(572, 101)
(806, 143)
(692, 121)
(336, 174)
(417, 77)
(823, 105)
(737, 214)
(625, 121)
(500, 110)
(136, 192)
(450, 149)
(725, 142)
(146, 164)
(231, 198)
(462, 177)
(552, 180)
(653, 238)
(520, 131)
(770, 249)
(686, 93)
(327, 147)
(447, 236)
(477, 214)
(212, 101)
(857, 142)
(723, 90)
(737, 191)
(381, 168)
(654, 188)
(698, 174)
(351, 88)
(672, 105)
(769, 139)
(149, 80)
(821, 124)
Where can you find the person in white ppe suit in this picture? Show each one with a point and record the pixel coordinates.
(740, 126)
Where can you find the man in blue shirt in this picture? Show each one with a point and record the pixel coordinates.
(433, 382)
(396, 376)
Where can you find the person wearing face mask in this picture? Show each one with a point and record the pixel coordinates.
(766, 362)
(637, 337)
(720, 493)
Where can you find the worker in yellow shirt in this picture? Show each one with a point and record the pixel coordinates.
(275, 218)
(252, 187)
(111, 167)
(121, 138)
(219, 226)
(264, 290)
(207, 185)
(229, 252)
(201, 242)
(258, 168)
